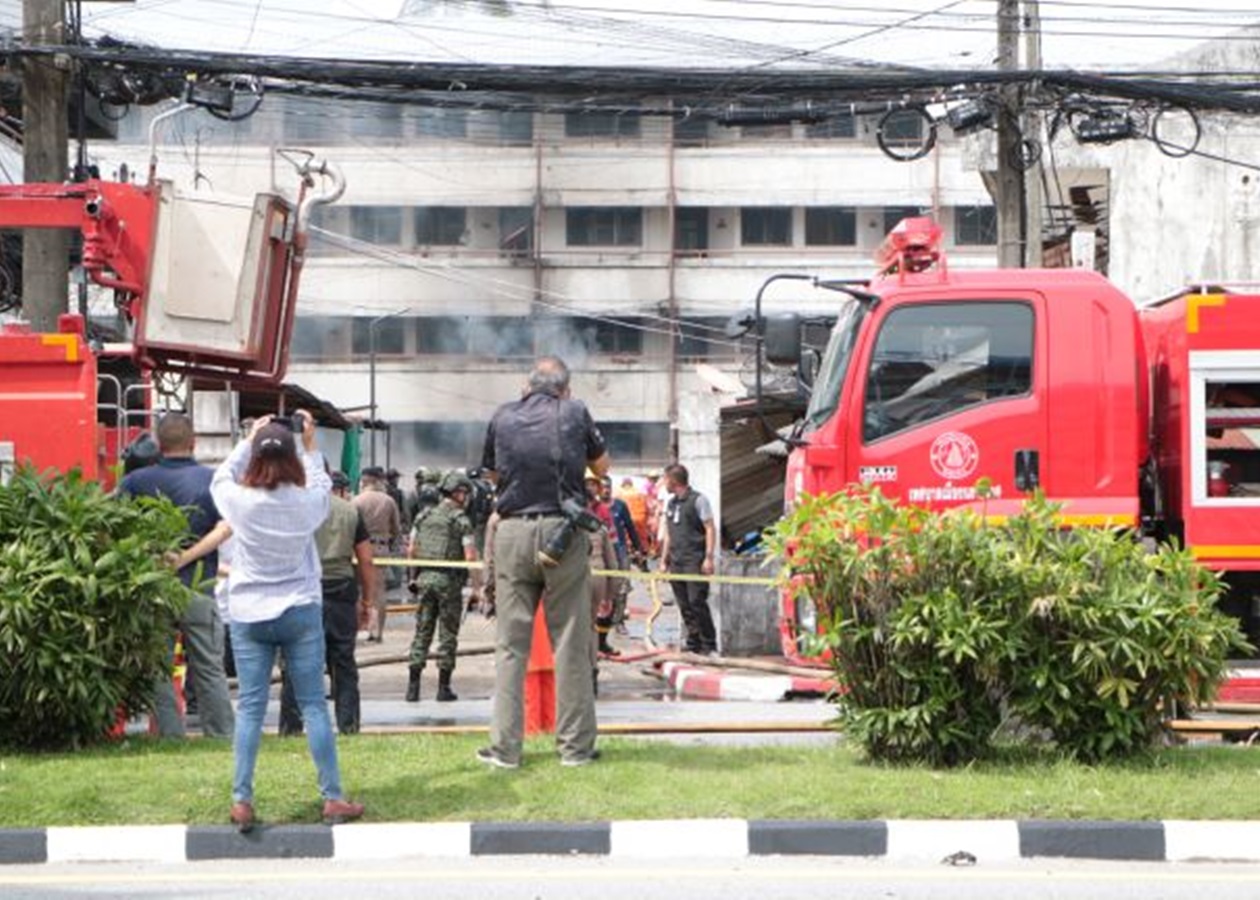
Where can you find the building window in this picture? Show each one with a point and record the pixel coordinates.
(830, 226)
(446, 443)
(903, 127)
(322, 338)
(329, 225)
(516, 129)
(636, 442)
(604, 226)
(501, 337)
(601, 124)
(703, 338)
(765, 226)
(894, 214)
(770, 132)
(933, 360)
(516, 230)
(390, 336)
(376, 224)
(442, 335)
(440, 226)
(841, 126)
(376, 120)
(306, 121)
(442, 123)
(693, 131)
(622, 338)
(308, 337)
(691, 228)
(975, 225)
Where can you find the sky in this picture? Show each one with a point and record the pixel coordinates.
(721, 34)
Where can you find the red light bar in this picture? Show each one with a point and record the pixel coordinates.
(913, 245)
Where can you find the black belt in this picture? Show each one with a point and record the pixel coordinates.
(531, 517)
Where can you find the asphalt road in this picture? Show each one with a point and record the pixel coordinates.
(559, 878)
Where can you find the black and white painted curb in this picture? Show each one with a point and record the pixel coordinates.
(897, 840)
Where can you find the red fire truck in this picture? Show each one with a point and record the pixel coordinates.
(206, 284)
(1052, 379)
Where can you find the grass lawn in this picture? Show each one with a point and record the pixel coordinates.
(436, 778)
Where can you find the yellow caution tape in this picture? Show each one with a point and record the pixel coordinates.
(612, 573)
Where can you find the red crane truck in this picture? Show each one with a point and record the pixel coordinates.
(207, 284)
(1139, 417)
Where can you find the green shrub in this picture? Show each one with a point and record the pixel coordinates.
(87, 607)
(944, 628)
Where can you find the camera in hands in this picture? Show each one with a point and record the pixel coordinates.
(575, 516)
(295, 423)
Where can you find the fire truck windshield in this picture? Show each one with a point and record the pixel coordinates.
(835, 363)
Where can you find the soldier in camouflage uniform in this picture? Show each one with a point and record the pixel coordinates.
(440, 532)
(425, 497)
(426, 493)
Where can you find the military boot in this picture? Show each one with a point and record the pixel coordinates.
(413, 684)
(444, 693)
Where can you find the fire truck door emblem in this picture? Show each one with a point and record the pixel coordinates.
(954, 455)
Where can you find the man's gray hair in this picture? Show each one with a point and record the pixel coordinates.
(550, 376)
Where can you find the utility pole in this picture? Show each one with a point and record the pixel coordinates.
(45, 157)
(1009, 189)
(1034, 202)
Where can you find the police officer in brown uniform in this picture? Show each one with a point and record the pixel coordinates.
(538, 448)
(384, 523)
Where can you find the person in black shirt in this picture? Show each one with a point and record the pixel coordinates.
(186, 483)
(688, 548)
(537, 449)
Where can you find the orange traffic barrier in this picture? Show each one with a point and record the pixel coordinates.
(540, 680)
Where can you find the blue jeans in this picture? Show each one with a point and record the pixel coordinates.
(299, 635)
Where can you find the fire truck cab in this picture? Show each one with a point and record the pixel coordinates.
(1049, 379)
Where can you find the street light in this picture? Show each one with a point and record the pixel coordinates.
(372, 375)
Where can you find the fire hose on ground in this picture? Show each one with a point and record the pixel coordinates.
(654, 652)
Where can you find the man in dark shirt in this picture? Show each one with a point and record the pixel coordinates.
(538, 448)
(178, 477)
(688, 549)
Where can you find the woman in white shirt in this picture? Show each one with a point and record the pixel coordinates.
(274, 498)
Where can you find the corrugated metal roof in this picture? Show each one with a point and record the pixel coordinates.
(752, 482)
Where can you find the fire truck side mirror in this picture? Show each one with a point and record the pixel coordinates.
(781, 337)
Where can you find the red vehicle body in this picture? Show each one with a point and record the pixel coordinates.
(209, 289)
(1052, 379)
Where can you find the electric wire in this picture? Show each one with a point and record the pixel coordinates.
(431, 27)
(879, 26)
(557, 301)
(558, 12)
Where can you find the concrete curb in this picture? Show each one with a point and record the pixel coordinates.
(959, 842)
(699, 683)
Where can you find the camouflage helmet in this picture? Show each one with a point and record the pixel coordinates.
(455, 481)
